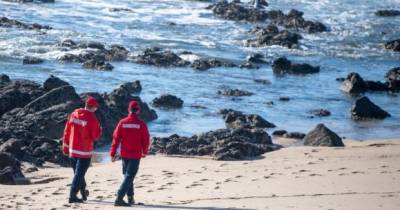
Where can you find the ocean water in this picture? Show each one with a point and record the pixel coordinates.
(354, 42)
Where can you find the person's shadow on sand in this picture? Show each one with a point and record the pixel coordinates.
(165, 206)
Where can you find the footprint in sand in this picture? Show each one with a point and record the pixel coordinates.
(357, 172)
(223, 164)
(216, 187)
(315, 175)
(342, 174)
(267, 177)
(238, 176)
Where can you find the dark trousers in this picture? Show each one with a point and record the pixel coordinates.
(129, 169)
(80, 166)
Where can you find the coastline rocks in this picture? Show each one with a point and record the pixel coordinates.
(10, 170)
(236, 119)
(322, 136)
(53, 82)
(393, 78)
(279, 132)
(8, 23)
(235, 92)
(364, 109)
(294, 135)
(203, 64)
(31, 60)
(158, 57)
(320, 112)
(354, 84)
(387, 13)
(393, 45)
(168, 101)
(283, 66)
(294, 20)
(255, 58)
(272, 36)
(222, 144)
(237, 12)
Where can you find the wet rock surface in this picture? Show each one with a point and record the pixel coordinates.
(10, 170)
(205, 64)
(222, 144)
(33, 116)
(236, 119)
(271, 35)
(294, 135)
(393, 45)
(387, 13)
(167, 101)
(364, 109)
(354, 84)
(322, 136)
(237, 12)
(320, 112)
(158, 57)
(235, 92)
(8, 23)
(284, 66)
(31, 60)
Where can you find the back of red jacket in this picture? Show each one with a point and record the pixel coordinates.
(133, 135)
(81, 131)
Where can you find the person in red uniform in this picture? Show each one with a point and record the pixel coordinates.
(133, 136)
(81, 131)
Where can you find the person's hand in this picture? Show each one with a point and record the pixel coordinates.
(113, 158)
(65, 153)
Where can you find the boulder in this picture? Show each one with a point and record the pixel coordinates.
(393, 45)
(320, 112)
(8, 23)
(255, 58)
(393, 79)
(235, 92)
(53, 82)
(354, 84)
(168, 101)
(364, 109)
(10, 170)
(14, 146)
(294, 135)
(284, 66)
(387, 13)
(236, 119)
(237, 12)
(158, 57)
(279, 132)
(205, 64)
(31, 60)
(322, 136)
(272, 36)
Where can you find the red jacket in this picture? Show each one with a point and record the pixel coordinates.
(81, 131)
(133, 135)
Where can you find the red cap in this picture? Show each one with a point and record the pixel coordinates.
(133, 104)
(90, 101)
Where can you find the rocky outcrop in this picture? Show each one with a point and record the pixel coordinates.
(393, 45)
(354, 84)
(31, 60)
(205, 64)
(284, 66)
(235, 92)
(31, 1)
(222, 144)
(8, 23)
(10, 170)
(320, 112)
(53, 82)
(294, 135)
(255, 58)
(387, 13)
(158, 57)
(295, 20)
(364, 109)
(236, 119)
(393, 79)
(322, 136)
(168, 101)
(271, 35)
(237, 12)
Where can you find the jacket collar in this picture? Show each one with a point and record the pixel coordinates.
(133, 115)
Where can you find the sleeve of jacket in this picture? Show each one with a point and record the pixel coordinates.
(145, 139)
(116, 139)
(67, 132)
(96, 129)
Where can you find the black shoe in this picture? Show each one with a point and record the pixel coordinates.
(131, 201)
(120, 202)
(85, 194)
(75, 200)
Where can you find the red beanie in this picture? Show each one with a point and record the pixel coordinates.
(133, 104)
(90, 101)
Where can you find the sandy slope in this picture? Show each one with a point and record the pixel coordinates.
(364, 175)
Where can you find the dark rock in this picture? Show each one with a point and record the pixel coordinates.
(255, 58)
(393, 77)
(354, 84)
(236, 119)
(284, 98)
(158, 57)
(364, 109)
(4, 78)
(320, 112)
(10, 169)
(98, 65)
(235, 92)
(222, 144)
(272, 36)
(31, 60)
(53, 82)
(68, 43)
(376, 86)
(204, 64)
(168, 101)
(294, 135)
(120, 10)
(393, 45)
(13, 146)
(387, 13)
(294, 20)
(237, 12)
(263, 81)
(282, 66)
(259, 3)
(248, 65)
(322, 136)
(279, 133)
(6, 22)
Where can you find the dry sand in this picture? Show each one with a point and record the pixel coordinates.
(363, 175)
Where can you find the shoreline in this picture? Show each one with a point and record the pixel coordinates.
(362, 175)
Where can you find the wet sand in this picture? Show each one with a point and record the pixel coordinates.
(363, 175)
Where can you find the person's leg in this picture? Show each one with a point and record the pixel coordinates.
(82, 164)
(133, 169)
(124, 185)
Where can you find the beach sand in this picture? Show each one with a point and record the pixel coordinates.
(363, 175)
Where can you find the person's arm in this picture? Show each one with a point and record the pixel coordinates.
(145, 139)
(116, 140)
(96, 130)
(67, 132)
